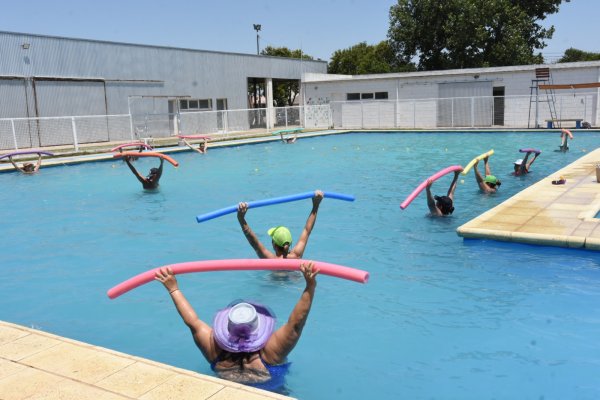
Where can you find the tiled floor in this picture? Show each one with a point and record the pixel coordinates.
(38, 365)
(101, 151)
(547, 214)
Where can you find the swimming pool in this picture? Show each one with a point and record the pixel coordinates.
(439, 318)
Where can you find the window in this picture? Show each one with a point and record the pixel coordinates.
(367, 96)
(195, 104)
(205, 104)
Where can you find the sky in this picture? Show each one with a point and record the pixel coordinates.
(318, 27)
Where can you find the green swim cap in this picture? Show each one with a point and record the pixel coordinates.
(491, 179)
(280, 235)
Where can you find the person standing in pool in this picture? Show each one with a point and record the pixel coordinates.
(201, 146)
(150, 181)
(442, 205)
(490, 183)
(242, 346)
(564, 141)
(281, 237)
(288, 140)
(27, 168)
(521, 166)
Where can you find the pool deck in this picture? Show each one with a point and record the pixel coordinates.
(66, 155)
(39, 365)
(547, 214)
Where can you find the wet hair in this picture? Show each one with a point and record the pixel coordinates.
(445, 204)
(285, 248)
(28, 167)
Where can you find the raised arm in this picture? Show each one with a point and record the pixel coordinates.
(160, 169)
(259, 248)
(478, 176)
(523, 167)
(532, 160)
(15, 164)
(298, 249)
(283, 341)
(488, 171)
(135, 172)
(452, 187)
(201, 331)
(38, 164)
(430, 200)
(191, 147)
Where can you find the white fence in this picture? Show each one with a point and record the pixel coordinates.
(465, 112)
(73, 131)
(23, 133)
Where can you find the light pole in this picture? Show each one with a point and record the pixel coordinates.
(257, 29)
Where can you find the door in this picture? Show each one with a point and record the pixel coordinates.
(221, 108)
(499, 105)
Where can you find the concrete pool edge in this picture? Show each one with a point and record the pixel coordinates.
(93, 152)
(34, 363)
(547, 214)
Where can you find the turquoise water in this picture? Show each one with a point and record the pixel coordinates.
(441, 318)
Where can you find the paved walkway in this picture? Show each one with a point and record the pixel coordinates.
(547, 214)
(35, 365)
(65, 155)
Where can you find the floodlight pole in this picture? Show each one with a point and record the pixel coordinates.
(257, 29)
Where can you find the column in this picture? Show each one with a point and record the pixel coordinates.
(269, 101)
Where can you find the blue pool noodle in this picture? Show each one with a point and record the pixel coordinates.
(268, 202)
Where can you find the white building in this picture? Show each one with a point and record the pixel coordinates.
(477, 97)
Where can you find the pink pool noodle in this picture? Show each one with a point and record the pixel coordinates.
(423, 184)
(252, 264)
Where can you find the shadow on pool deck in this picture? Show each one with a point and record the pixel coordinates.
(548, 214)
(39, 365)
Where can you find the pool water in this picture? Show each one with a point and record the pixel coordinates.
(440, 318)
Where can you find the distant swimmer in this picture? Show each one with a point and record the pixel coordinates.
(27, 168)
(201, 146)
(521, 166)
(288, 139)
(565, 135)
(150, 181)
(490, 183)
(442, 205)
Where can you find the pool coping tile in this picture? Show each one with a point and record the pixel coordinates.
(565, 218)
(39, 365)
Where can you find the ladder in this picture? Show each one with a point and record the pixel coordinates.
(542, 76)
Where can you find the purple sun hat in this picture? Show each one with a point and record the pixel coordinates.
(243, 326)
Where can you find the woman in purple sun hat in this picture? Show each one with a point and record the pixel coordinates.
(243, 345)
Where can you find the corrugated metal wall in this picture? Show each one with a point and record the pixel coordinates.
(130, 70)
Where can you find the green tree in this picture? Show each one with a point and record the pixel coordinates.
(367, 59)
(572, 55)
(285, 91)
(284, 52)
(470, 33)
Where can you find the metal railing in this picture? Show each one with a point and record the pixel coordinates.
(438, 113)
(73, 131)
(460, 112)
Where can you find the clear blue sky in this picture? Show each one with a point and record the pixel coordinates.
(319, 27)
